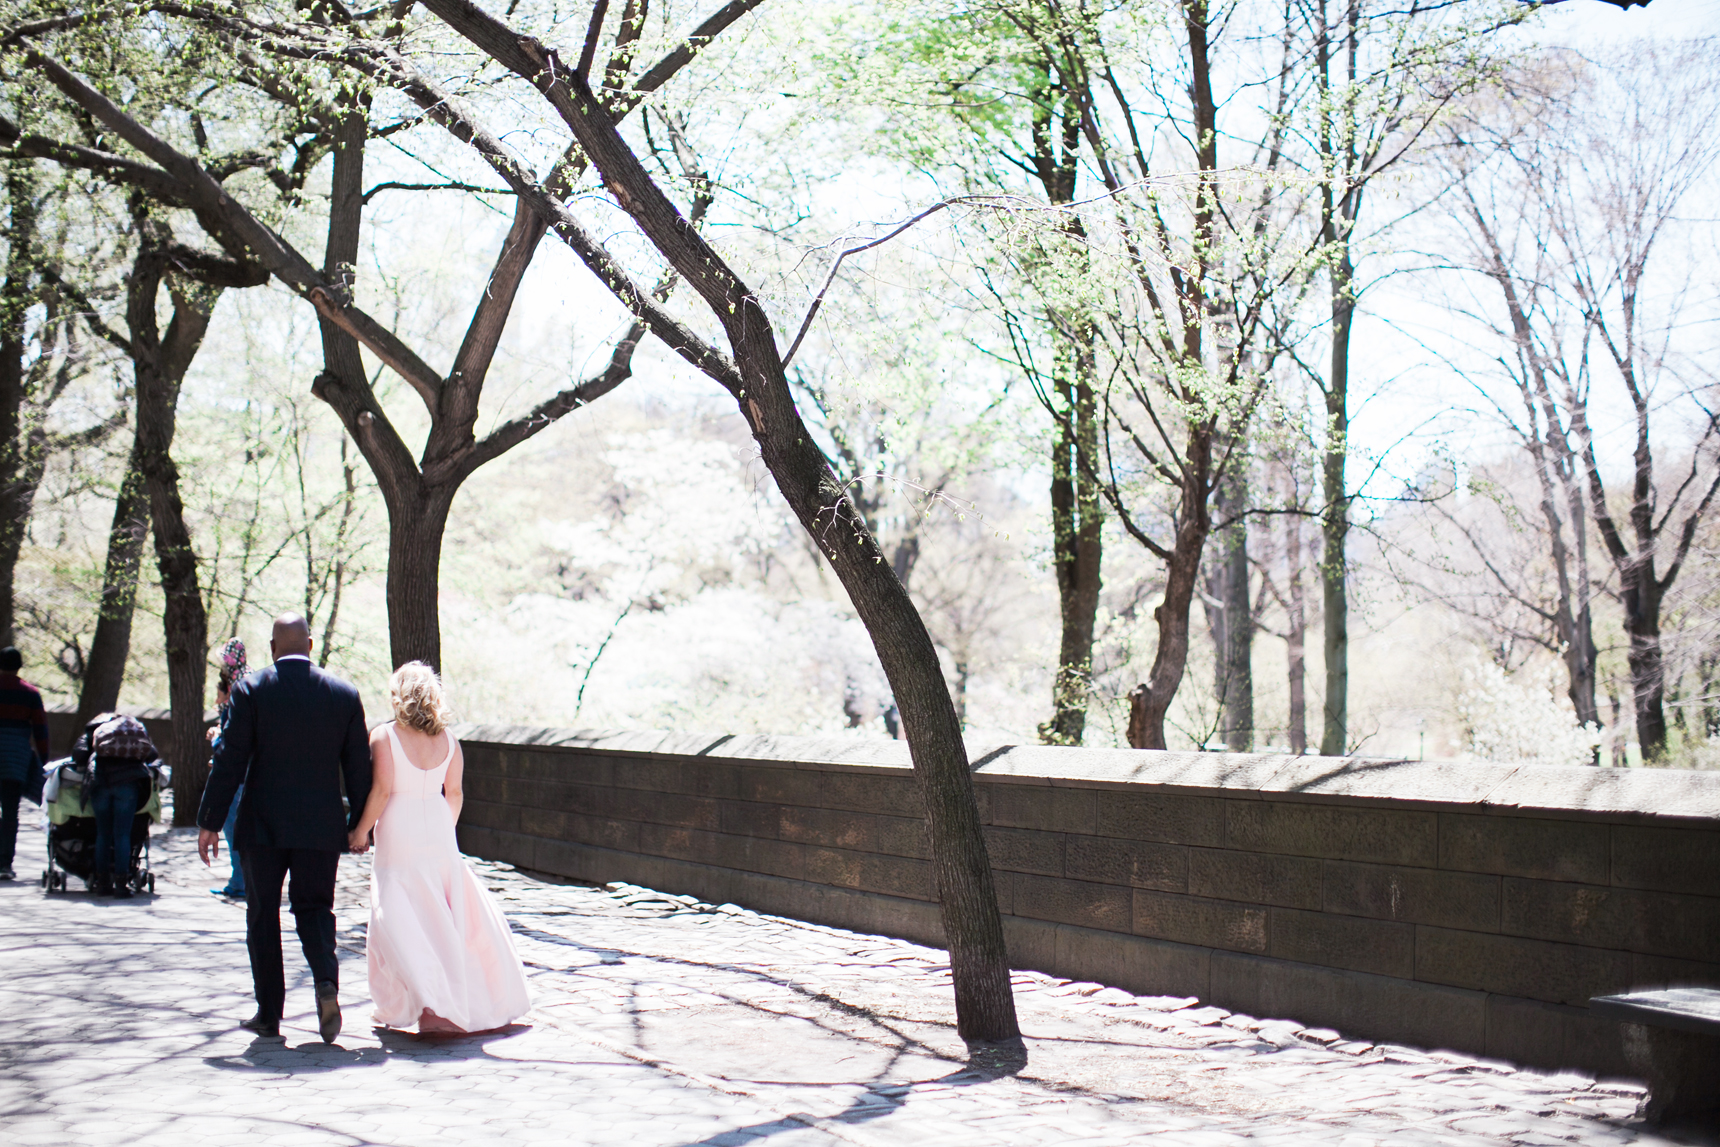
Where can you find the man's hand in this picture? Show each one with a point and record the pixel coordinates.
(211, 732)
(208, 845)
(358, 843)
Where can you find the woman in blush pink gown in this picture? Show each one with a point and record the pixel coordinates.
(441, 955)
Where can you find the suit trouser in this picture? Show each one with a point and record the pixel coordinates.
(9, 794)
(310, 895)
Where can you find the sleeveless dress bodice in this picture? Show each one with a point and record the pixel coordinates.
(437, 941)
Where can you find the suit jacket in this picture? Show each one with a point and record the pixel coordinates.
(294, 735)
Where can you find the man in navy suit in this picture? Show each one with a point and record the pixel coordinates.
(294, 735)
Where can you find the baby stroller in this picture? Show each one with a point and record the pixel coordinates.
(72, 828)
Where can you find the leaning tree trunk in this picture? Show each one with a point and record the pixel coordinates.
(985, 1006)
(1150, 702)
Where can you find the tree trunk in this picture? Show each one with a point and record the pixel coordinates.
(1297, 632)
(414, 574)
(1182, 576)
(1077, 515)
(1077, 544)
(985, 1006)
(17, 294)
(185, 622)
(1335, 523)
(1641, 594)
(979, 967)
(104, 668)
(1236, 653)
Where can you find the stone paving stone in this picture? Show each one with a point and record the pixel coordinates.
(660, 1020)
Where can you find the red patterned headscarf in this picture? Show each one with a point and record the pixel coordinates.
(233, 662)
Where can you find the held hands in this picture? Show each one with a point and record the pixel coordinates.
(208, 845)
(358, 841)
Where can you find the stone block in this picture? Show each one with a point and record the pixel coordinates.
(653, 774)
(1654, 923)
(1351, 942)
(1193, 920)
(1681, 1069)
(708, 778)
(1539, 1034)
(1255, 877)
(532, 792)
(492, 844)
(902, 836)
(1068, 901)
(1142, 966)
(580, 861)
(485, 786)
(1524, 846)
(672, 809)
(1415, 895)
(1387, 836)
(782, 785)
(1648, 972)
(505, 817)
(870, 872)
(747, 818)
(1407, 784)
(869, 912)
(1031, 806)
(828, 827)
(1025, 850)
(894, 794)
(604, 832)
(1666, 859)
(1132, 863)
(748, 854)
(1170, 818)
(546, 822)
(1032, 944)
(1513, 966)
(564, 766)
(1359, 1004)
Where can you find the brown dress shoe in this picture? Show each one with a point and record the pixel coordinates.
(328, 1011)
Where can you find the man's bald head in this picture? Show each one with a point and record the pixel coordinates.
(290, 637)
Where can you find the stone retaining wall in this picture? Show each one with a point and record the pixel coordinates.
(1469, 906)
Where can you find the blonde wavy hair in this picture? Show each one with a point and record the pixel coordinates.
(415, 691)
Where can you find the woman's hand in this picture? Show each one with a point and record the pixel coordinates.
(358, 842)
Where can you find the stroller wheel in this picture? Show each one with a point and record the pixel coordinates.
(44, 878)
(151, 877)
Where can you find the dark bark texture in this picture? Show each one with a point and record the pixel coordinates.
(1230, 611)
(104, 667)
(158, 367)
(985, 1007)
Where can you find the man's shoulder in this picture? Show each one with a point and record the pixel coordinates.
(334, 683)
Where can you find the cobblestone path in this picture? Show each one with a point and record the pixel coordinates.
(661, 1020)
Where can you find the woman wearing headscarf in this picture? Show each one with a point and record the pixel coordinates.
(232, 672)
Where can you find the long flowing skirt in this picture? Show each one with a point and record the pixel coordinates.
(438, 943)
